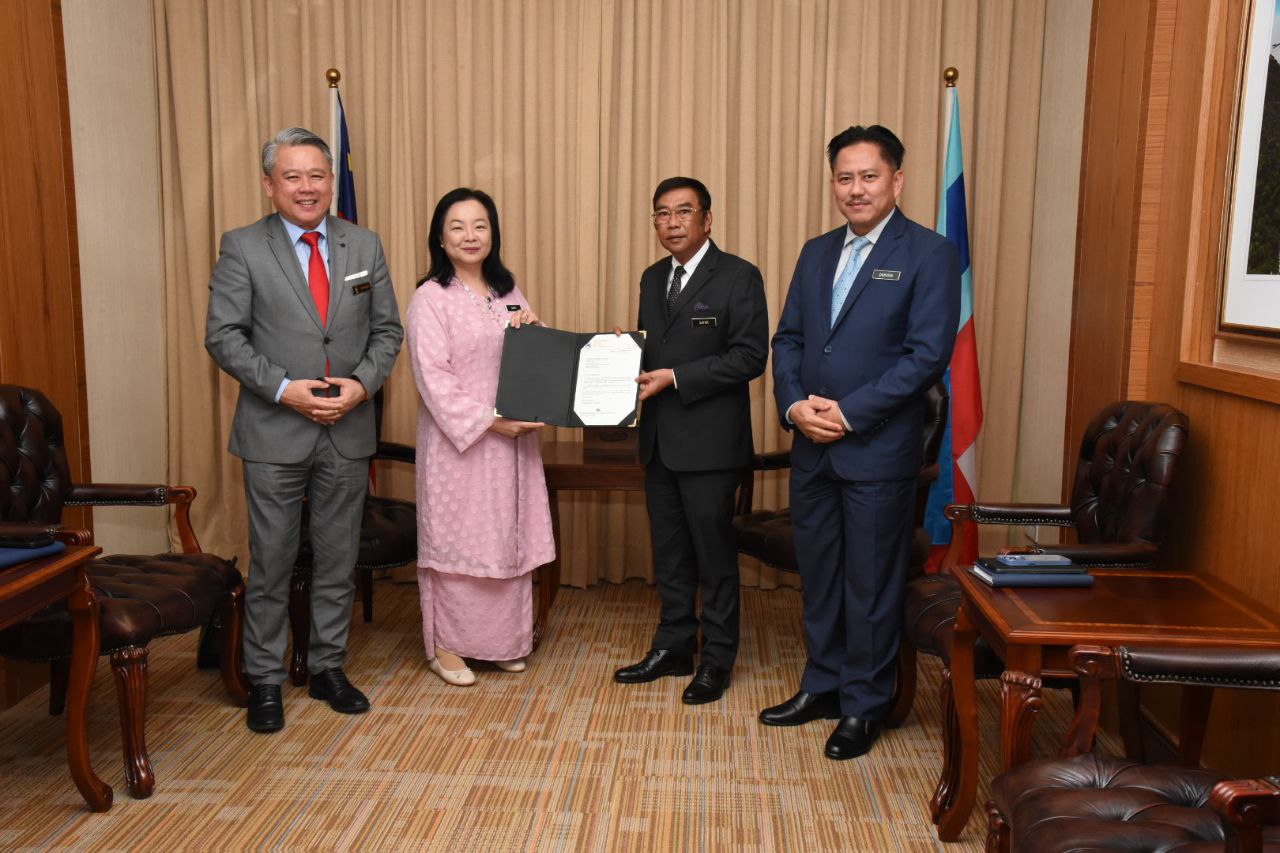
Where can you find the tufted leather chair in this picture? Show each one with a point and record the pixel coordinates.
(388, 538)
(1123, 475)
(1086, 801)
(140, 597)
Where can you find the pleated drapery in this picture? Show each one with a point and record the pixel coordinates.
(569, 112)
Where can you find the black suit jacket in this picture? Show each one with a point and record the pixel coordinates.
(716, 340)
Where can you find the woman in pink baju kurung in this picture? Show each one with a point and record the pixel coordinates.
(483, 520)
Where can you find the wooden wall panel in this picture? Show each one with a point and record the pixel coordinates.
(41, 344)
(1226, 502)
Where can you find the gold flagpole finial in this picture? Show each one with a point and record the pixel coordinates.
(333, 75)
(949, 76)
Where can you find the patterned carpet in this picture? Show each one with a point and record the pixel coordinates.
(556, 758)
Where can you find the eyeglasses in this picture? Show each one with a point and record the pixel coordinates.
(680, 214)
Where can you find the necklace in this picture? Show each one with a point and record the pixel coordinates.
(485, 306)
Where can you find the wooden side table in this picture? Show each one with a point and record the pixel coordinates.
(28, 587)
(568, 468)
(1032, 629)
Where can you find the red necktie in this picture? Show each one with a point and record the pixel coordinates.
(318, 281)
(317, 276)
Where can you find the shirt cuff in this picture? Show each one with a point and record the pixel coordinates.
(284, 383)
(787, 414)
(675, 383)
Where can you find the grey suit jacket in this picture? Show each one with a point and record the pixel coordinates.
(263, 326)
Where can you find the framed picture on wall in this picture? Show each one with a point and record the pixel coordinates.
(1250, 300)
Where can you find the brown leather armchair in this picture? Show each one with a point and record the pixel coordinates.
(1085, 801)
(1123, 475)
(140, 597)
(388, 538)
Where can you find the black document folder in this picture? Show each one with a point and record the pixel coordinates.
(539, 376)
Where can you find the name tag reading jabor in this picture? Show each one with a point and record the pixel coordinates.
(886, 275)
(361, 288)
(704, 321)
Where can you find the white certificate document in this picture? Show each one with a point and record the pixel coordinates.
(605, 392)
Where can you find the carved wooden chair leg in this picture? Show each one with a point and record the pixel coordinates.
(1196, 702)
(230, 615)
(904, 688)
(59, 673)
(947, 780)
(366, 591)
(130, 667)
(997, 830)
(300, 624)
(1130, 720)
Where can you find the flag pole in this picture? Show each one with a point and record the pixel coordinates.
(333, 75)
(949, 78)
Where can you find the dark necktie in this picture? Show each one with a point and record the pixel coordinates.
(674, 293)
(317, 276)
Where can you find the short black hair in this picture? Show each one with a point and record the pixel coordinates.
(681, 183)
(496, 275)
(882, 137)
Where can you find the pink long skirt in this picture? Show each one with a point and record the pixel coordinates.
(481, 618)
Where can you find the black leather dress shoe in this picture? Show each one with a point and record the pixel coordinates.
(657, 663)
(802, 708)
(266, 708)
(707, 686)
(343, 697)
(852, 737)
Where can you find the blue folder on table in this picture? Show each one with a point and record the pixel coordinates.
(14, 556)
(1004, 579)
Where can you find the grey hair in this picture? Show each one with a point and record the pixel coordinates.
(288, 137)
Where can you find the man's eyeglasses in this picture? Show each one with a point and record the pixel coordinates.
(681, 214)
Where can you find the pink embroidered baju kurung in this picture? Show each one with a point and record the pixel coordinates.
(483, 520)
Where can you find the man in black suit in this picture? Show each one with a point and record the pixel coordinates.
(707, 328)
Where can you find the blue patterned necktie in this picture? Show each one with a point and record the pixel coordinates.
(850, 272)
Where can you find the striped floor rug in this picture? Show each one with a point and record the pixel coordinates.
(556, 758)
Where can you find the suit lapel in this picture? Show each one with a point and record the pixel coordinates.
(701, 276)
(654, 295)
(883, 248)
(827, 272)
(337, 266)
(288, 260)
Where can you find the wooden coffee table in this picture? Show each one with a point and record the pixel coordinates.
(28, 587)
(568, 468)
(1032, 629)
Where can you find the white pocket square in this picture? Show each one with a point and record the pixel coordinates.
(356, 275)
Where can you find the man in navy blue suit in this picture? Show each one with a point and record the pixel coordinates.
(868, 325)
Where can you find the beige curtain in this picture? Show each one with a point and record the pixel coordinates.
(569, 112)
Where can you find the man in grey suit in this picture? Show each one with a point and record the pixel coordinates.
(303, 315)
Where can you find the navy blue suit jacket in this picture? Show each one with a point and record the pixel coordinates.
(891, 341)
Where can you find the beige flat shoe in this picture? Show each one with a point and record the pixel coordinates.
(516, 665)
(457, 677)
